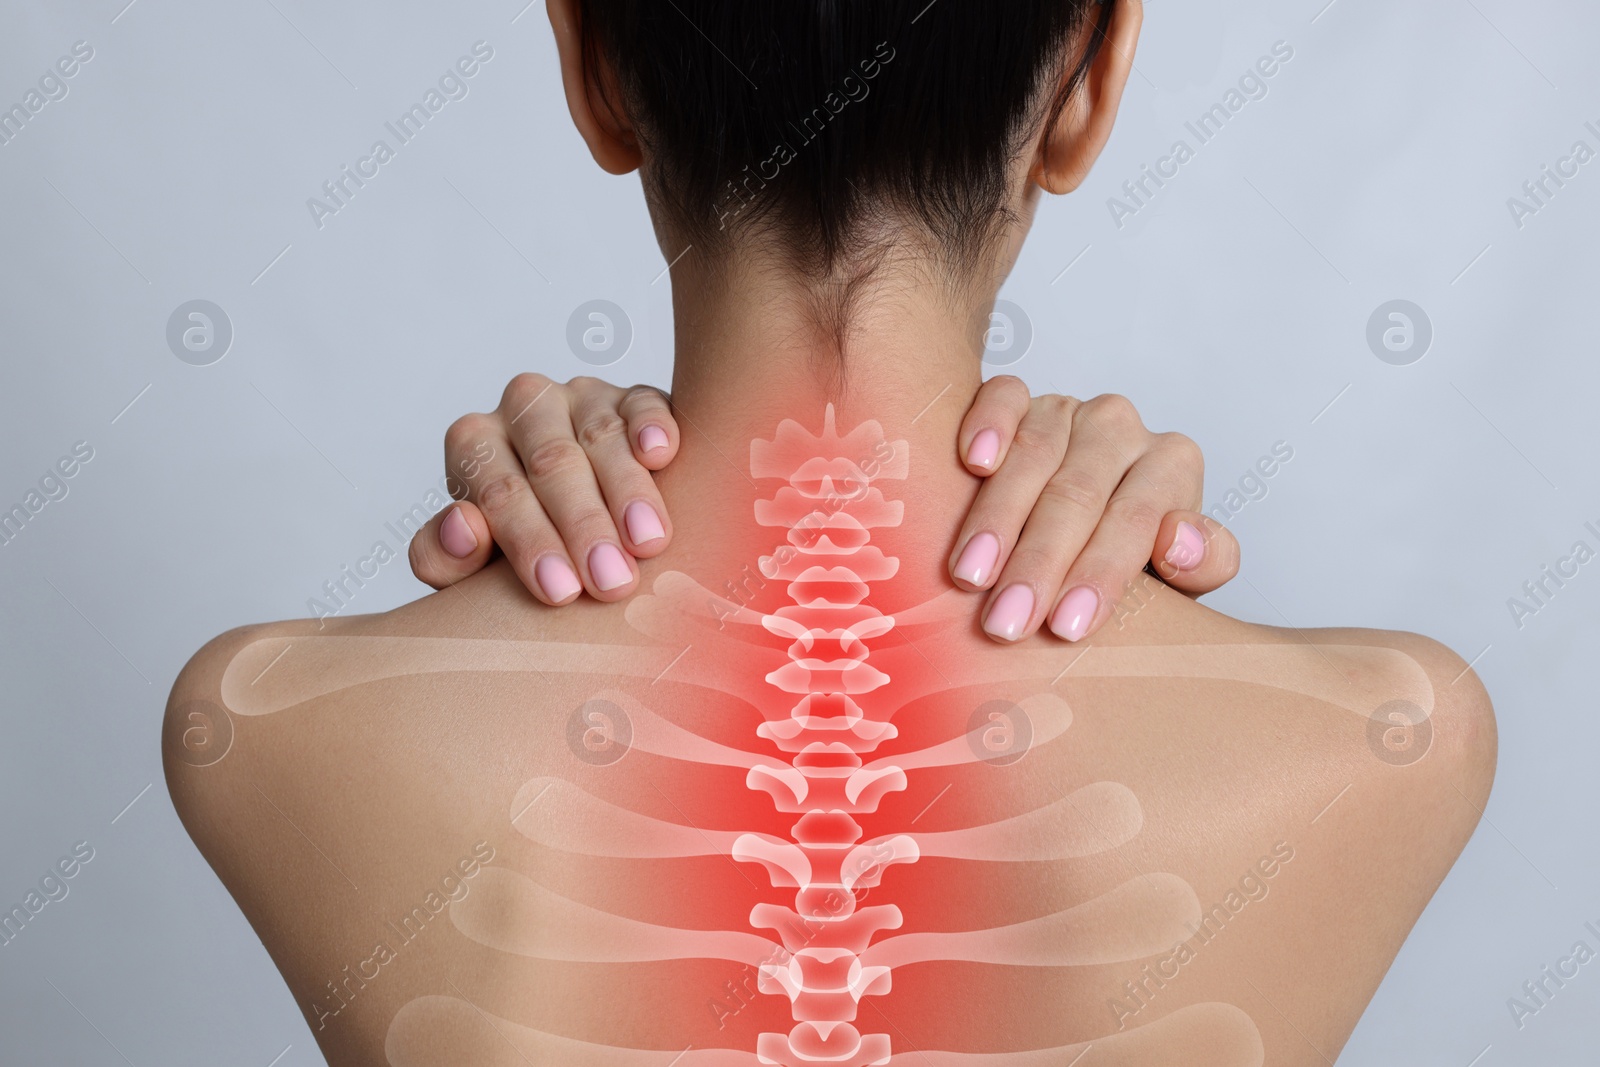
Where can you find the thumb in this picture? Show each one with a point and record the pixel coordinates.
(455, 544)
(1194, 554)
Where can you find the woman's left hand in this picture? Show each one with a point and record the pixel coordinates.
(1078, 496)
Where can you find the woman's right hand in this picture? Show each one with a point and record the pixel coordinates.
(1078, 496)
(559, 478)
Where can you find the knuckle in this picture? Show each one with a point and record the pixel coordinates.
(644, 396)
(602, 429)
(1183, 449)
(1135, 513)
(1035, 442)
(1008, 387)
(524, 389)
(1075, 491)
(1055, 406)
(500, 492)
(553, 457)
(465, 433)
(1116, 411)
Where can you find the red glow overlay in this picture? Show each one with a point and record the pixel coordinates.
(828, 712)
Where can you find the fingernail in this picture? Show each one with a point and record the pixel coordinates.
(1073, 615)
(607, 567)
(985, 448)
(456, 535)
(1010, 613)
(556, 578)
(652, 438)
(643, 523)
(978, 559)
(1188, 547)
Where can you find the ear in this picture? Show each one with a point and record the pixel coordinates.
(593, 95)
(1071, 144)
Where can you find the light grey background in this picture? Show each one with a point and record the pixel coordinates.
(1233, 306)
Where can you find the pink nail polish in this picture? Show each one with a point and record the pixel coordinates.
(556, 578)
(456, 536)
(984, 450)
(1010, 613)
(1073, 615)
(608, 568)
(643, 523)
(652, 438)
(978, 559)
(1188, 548)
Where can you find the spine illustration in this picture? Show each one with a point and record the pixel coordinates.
(822, 722)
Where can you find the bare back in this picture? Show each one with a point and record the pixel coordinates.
(809, 813)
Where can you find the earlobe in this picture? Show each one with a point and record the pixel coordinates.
(1071, 143)
(592, 95)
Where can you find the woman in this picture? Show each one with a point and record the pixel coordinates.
(788, 804)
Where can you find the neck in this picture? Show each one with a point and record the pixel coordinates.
(751, 353)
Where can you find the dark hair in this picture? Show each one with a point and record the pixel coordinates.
(824, 118)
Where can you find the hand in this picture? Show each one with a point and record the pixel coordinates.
(1078, 496)
(558, 471)
(559, 477)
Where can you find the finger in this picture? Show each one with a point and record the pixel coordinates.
(1004, 501)
(1108, 578)
(629, 491)
(1194, 553)
(652, 431)
(455, 544)
(991, 422)
(1060, 523)
(513, 518)
(558, 472)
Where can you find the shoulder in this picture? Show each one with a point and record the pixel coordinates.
(1406, 787)
(219, 741)
(1426, 735)
(1420, 706)
(199, 732)
(1402, 719)
(1425, 720)
(1438, 721)
(195, 731)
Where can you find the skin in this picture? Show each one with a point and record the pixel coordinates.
(1077, 493)
(338, 812)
